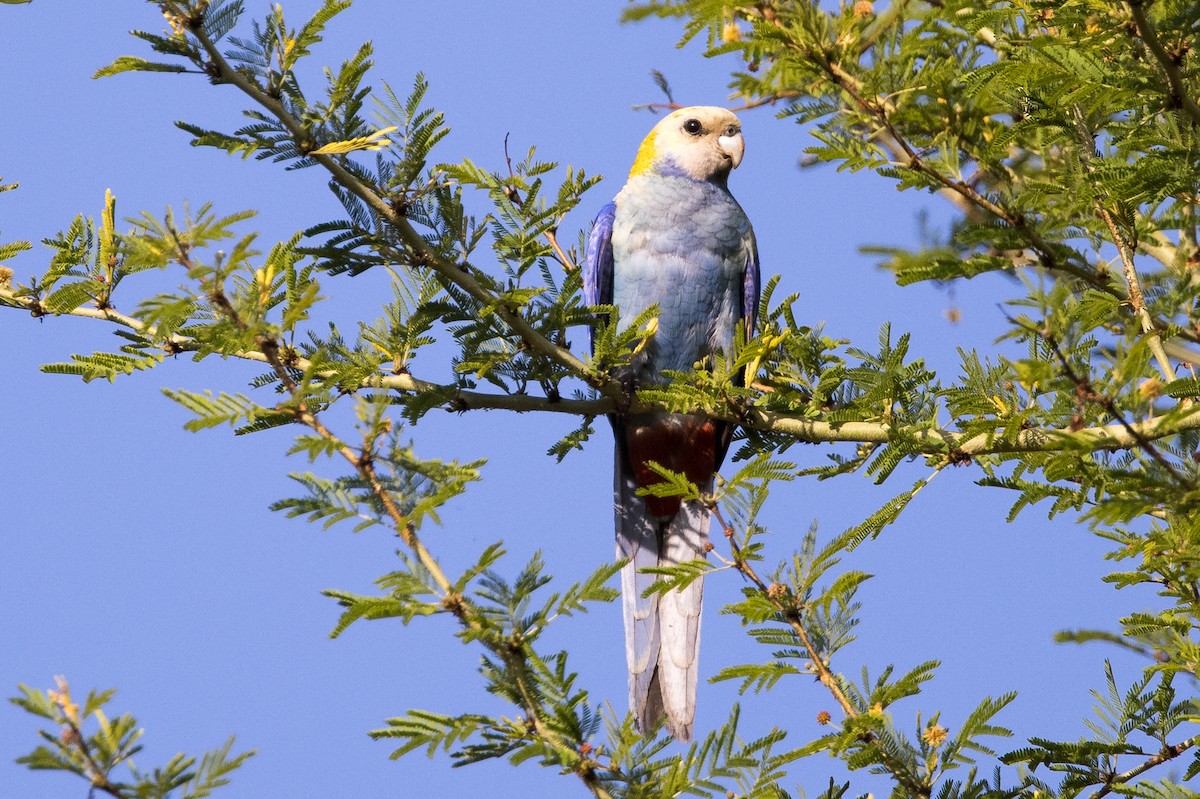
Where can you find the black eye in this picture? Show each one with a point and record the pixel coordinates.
(693, 127)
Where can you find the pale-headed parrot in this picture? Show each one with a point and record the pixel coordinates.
(674, 236)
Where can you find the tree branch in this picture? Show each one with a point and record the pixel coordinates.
(363, 462)
(1127, 435)
(1170, 66)
(425, 255)
(907, 156)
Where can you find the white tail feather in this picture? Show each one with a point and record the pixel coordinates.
(679, 620)
(637, 540)
(662, 631)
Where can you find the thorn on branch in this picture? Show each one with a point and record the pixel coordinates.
(288, 356)
(195, 20)
(453, 602)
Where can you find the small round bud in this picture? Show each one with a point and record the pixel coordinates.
(823, 717)
(67, 736)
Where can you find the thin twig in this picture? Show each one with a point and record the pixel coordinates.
(792, 614)
(98, 777)
(1136, 298)
(1087, 392)
(69, 715)
(1169, 753)
(512, 194)
(1125, 249)
(359, 460)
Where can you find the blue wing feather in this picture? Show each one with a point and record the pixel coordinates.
(598, 262)
(751, 286)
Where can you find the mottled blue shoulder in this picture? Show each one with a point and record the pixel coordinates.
(598, 261)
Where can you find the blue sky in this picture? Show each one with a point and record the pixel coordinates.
(139, 556)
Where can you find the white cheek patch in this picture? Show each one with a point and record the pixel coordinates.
(733, 146)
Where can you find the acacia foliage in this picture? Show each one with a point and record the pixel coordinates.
(1065, 135)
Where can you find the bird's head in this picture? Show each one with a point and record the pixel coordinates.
(702, 142)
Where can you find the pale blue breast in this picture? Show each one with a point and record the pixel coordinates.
(682, 244)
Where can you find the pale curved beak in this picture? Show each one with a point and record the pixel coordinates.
(733, 146)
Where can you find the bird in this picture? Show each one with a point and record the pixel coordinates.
(675, 237)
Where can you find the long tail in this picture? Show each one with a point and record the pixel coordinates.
(662, 631)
